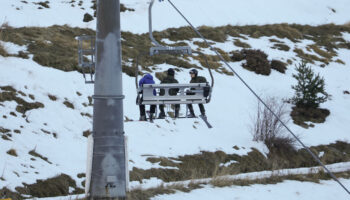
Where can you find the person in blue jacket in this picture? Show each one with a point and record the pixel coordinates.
(147, 79)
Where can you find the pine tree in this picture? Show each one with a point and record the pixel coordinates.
(310, 90)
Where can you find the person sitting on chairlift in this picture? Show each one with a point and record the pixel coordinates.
(196, 79)
(147, 79)
(172, 92)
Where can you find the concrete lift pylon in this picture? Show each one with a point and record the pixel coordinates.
(107, 174)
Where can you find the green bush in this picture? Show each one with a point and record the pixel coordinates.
(310, 89)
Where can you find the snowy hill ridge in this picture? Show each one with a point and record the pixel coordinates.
(56, 132)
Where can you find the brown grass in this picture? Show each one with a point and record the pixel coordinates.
(300, 115)
(56, 46)
(281, 47)
(309, 57)
(68, 104)
(239, 43)
(56, 186)
(3, 51)
(35, 154)
(23, 106)
(12, 152)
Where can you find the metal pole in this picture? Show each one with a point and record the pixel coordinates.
(108, 173)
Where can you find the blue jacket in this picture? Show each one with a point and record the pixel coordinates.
(147, 79)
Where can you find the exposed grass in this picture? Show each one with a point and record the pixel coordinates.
(35, 154)
(52, 97)
(68, 104)
(256, 61)
(23, 106)
(279, 66)
(56, 186)
(310, 57)
(6, 193)
(3, 51)
(53, 46)
(239, 43)
(281, 47)
(12, 152)
(4, 130)
(207, 164)
(300, 115)
(56, 46)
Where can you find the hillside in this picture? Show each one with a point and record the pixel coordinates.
(46, 108)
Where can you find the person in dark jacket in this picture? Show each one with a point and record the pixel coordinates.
(147, 79)
(196, 79)
(170, 78)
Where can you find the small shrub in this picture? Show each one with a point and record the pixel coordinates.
(278, 65)
(88, 17)
(257, 62)
(267, 127)
(12, 152)
(310, 89)
(237, 56)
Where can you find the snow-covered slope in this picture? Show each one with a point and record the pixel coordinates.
(201, 12)
(230, 111)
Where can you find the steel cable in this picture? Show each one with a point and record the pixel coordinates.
(257, 96)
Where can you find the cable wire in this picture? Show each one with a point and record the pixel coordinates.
(257, 96)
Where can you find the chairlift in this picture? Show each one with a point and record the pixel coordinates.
(86, 57)
(192, 93)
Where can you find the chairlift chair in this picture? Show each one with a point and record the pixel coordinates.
(192, 93)
(86, 57)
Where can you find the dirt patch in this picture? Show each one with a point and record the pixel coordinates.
(301, 115)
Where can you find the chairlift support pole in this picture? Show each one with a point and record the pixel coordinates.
(108, 166)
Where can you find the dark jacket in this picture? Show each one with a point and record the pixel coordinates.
(147, 79)
(169, 79)
(198, 79)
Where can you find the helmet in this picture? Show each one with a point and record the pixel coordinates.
(171, 72)
(194, 71)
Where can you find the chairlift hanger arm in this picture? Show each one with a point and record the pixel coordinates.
(150, 23)
(207, 65)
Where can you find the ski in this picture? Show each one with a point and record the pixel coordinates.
(204, 118)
